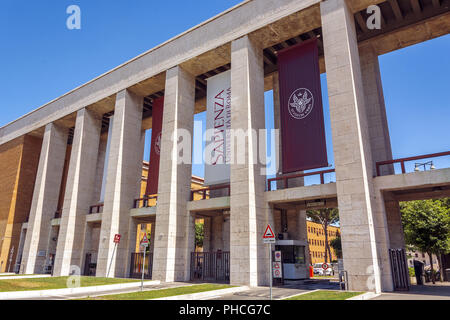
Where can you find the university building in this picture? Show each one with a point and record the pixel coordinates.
(71, 170)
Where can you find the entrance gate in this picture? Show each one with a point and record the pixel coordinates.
(137, 264)
(210, 266)
(399, 267)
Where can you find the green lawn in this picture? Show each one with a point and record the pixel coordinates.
(155, 294)
(54, 283)
(326, 295)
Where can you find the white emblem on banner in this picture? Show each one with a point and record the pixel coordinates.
(301, 103)
(158, 144)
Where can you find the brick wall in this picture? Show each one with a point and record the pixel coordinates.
(18, 166)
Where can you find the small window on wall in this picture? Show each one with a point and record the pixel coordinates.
(299, 254)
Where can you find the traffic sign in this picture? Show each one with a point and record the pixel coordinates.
(144, 241)
(277, 271)
(117, 238)
(269, 235)
(278, 256)
(325, 266)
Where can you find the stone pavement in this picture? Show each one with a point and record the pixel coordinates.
(278, 293)
(438, 291)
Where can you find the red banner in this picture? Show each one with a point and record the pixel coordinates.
(153, 170)
(302, 125)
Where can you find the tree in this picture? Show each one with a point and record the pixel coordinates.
(426, 224)
(336, 244)
(199, 234)
(325, 217)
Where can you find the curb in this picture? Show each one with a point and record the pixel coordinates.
(205, 294)
(68, 291)
(365, 296)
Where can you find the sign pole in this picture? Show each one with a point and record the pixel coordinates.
(269, 238)
(112, 257)
(143, 270)
(270, 269)
(10, 259)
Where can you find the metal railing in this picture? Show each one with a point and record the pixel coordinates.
(137, 264)
(205, 192)
(210, 266)
(145, 202)
(399, 269)
(285, 179)
(97, 208)
(403, 160)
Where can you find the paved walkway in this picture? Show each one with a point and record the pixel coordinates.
(278, 293)
(438, 291)
(260, 293)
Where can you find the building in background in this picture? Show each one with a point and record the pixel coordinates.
(316, 242)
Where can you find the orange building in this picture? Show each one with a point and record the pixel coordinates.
(316, 242)
(18, 167)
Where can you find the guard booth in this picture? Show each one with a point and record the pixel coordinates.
(293, 259)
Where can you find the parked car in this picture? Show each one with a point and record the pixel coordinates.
(318, 269)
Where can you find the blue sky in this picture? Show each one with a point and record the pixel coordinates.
(40, 59)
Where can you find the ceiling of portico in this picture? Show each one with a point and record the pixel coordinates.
(404, 22)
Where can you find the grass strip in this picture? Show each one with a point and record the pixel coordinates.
(8, 285)
(326, 295)
(161, 293)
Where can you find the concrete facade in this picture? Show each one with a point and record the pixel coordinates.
(238, 39)
(45, 198)
(79, 192)
(174, 229)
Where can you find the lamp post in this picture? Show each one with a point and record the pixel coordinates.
(424, 165)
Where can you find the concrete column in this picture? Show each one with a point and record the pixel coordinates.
(226, 231)
(249, 212)
(297, 182)
(303, 233)
(173, 222)
(217, 233)
(122, 183)
(363, 227)
(394, 222)
(132, 234)
(376, 110)
(45, 197)
(79, 192)
(152, 237)
(207, 235)
(100, 168)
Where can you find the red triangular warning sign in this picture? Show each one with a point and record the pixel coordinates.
(268, 234)
(144, 239)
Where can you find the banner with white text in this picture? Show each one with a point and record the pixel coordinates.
(218, 125)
